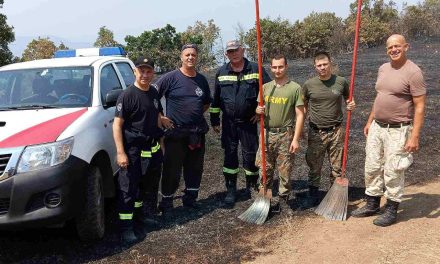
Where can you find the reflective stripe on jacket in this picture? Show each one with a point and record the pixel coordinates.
(236, 93)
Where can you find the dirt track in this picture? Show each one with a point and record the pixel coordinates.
(213, 234)
(414, 239)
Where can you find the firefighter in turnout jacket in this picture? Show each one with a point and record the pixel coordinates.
(236, 90)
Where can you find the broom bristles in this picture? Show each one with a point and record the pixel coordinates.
(334, 205)
(257, 212)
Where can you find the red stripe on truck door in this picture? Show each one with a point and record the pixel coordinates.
(45, 132)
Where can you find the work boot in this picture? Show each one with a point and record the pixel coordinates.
(150, 203)
(275, 206)
(371, 208)
(189, 199)
(140, 230)
(231, 188)
(189, 202)
(285, 205)
(312, 198)
(166, 207)
(128, 238)
(147, 219)
(251, 186)
(231, 196)
(389, 216)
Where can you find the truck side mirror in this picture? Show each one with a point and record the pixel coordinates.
(111, 97)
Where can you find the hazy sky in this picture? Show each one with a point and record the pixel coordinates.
(80, 20)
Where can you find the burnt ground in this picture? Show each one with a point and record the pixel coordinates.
(214, 234)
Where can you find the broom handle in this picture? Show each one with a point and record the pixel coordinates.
(353, 75)
(260, 103)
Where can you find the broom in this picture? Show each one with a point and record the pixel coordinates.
(259, 210)
(334, 205)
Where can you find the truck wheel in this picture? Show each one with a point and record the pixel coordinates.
(90, 223)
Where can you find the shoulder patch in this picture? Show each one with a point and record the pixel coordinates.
(155, 86)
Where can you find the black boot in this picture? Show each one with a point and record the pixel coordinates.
(312, 198)
(128, 238)
(166, 207)
(285, 204)
(371, 208)
(231, 188)
(251, 185)
(147, 217)
(252, 182)
(389, 216)
(189, 199)
(150, 203)
(275, 206)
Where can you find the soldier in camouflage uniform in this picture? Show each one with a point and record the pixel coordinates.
(323, 99)
(283, 102)
(393, 131)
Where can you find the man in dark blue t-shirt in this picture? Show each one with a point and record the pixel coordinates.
(135, 124)
(187, 97)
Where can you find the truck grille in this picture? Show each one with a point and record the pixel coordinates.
(4, 159)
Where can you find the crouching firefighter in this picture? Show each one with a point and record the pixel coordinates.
(136, 121)
(235, 95)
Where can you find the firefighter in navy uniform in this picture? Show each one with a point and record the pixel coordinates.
(236, 90)
(187, 97)
(136, 119)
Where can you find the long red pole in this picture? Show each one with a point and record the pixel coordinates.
(353, 75)
(261, 103)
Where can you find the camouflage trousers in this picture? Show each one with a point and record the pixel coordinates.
(320, 143)
(384, 153)
(277, 157)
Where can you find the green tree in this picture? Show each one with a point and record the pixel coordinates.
(386, 12)
(206, 36)
(319, 31)
(422, 20)
(162, 44)
(62, 47)
(276, 37)
(41, 48)
(6, 36)
(432, 8)
(378, 21)
(105, 38)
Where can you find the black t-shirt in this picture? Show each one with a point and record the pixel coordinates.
(139, 109)
(185, 97)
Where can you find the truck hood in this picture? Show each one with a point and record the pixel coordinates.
(31, 127)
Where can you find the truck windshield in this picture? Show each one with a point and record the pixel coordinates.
(46, 88)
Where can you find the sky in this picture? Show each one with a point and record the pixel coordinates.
(79, 21)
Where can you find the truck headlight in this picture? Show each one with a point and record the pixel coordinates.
(44, 156)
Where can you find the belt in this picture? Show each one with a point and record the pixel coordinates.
(325, 129)
(392, 125)
(278, 129)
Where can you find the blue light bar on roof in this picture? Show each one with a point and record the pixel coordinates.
(108, 51)
(64, 54)
(112, 51)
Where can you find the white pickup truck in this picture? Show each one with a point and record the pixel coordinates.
(57, 155)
